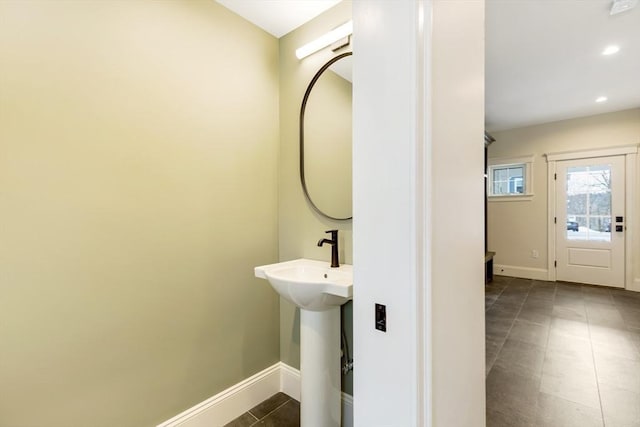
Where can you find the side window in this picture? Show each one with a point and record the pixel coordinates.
(510, 177)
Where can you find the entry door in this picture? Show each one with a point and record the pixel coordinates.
(590, 221)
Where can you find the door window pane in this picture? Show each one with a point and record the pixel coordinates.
(589, 203)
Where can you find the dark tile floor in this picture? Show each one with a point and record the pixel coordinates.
(557, 355)
(561, 355)
(279, 410)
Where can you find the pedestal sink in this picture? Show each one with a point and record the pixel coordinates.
(319, 291)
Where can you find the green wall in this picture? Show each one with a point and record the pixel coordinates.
(138, 189)
(300, 227)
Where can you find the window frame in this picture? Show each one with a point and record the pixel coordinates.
(526, 162)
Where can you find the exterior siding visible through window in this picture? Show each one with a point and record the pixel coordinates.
(510, 177)
(508, 180)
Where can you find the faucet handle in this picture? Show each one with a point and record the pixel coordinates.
(334, 234)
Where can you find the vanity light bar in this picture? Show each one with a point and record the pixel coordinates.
(332, 36)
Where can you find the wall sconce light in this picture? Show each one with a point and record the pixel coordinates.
(341, 32)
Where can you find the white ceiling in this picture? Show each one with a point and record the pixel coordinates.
(543, 57)
(544, 61)
(278, 17)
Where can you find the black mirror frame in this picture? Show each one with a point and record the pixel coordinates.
(302, 110)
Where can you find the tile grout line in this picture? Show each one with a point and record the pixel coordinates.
(593, 358)
(253, 423)
(498, 297)
(486, 375)
(546, 346)
(621, 311)
(239, 416)
(269, 413)
(511, 327)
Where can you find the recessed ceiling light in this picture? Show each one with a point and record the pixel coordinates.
(601, 99)
(619, 6)
(610, 50)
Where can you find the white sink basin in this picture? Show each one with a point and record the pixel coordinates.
(319, 291)
(311, 285)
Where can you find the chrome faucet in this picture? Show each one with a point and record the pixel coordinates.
(334, 247)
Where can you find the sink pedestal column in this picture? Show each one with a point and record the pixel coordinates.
(320, 391)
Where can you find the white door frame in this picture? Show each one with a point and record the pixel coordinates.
(630, 153)
(412, 229)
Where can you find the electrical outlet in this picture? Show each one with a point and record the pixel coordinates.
(535, 254)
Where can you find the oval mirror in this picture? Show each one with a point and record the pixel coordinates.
(325, 140)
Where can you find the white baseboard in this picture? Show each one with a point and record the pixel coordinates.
(522, 272)
(347, 410)
(635, 286)
(290, 381)
(238, 399)
(230, 403)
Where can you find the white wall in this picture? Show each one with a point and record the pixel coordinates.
(517, 228)
(457, 247)
(386, 372)
(413, 230)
